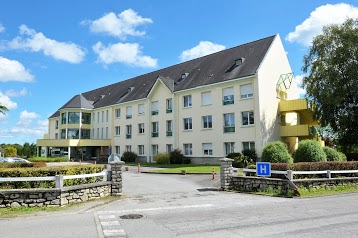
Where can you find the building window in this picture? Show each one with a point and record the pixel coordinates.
(94, 117)
(73, 134)
(246, 91)
(155, 108)
(229, 122)
(206, 98)
(86, 118)
(188, 149)
(154, 150)
(106, 115)
(141, 109)
(169, 148)
(169, 128)
(128, 112)
(56, 136)
(102, 116)
(56, 126)
(207, 122)
(85, 134)
(248, 145)
(73, 118)
(63, 118)
(188, 124)
(141, 128)
(128, 148)
(63, 134)
(187, 101)
(97, 117)
(228, 96)
(169, 105)
(248, 118)
(106, 132)
(97, 133)
(128, 131)
(155, 129)
(118, 149)
(118, 130)
(229, 147)
(102, 133)
(140, 149)
(118, 113)
(207, 149)
(93, 134)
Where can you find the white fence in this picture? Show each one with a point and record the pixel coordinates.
(290, 173)
(58, 178)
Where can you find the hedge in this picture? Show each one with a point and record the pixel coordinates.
(48, 171)
(276, 152)
(43, 159)
(309, 151)
(162, 158)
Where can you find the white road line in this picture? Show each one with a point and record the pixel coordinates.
(109, 223)
(116, 233)
(155, 209)
(105, 217)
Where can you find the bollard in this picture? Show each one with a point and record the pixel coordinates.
(213, 172)
(138, 167)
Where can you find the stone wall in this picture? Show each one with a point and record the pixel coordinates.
(204, 160)
(258, 184)
(324, 182)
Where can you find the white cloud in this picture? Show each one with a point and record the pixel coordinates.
(121, 25)
(298, 80)
(321, 16)
(38, 42)
(12, 70)
(13, 93)
(7, 102)
(203, 48)
(128, 53)
(2, 28)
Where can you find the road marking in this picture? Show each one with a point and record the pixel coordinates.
(156, 209)
(116, 233)
(109, 223)
(104, 217)
(108, 226)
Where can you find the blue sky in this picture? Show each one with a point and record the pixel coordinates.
(53, 50)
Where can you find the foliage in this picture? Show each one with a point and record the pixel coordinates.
(342, 156)
(233, 155)
(48, 171)
(43, 159)
(16, 165)
(242, 161)
(332, 154)
(331, 81)
(187, 161)
(25, 151)
(129, 156)
(176, 157)
(251, 153)
(3, 109)
(10, 151)
(276, 152)
(337, 189)
(162, 158)
(309, 151)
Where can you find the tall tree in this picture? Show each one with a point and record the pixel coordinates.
(3, 109)
(332, 80)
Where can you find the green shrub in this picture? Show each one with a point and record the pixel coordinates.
(243, 161)
(16, 165)
(276, 152)
(331, 154)
(49, 171)
(187, 161)
(342, 156)
(176, 157)
(233, 155)
(309, 151)
(43, 159)
(251, 153)
(162, 158)
(129, 156)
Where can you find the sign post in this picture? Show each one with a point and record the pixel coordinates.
(263, 169)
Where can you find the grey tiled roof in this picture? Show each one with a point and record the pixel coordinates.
(209, 69)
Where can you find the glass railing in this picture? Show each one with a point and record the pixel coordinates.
(228, 101)
(128, 136)
(169, 133)
(169, 110)
(155, 134)
(228, 129)
(155, 112)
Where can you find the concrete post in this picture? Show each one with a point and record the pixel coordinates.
(116, 178)
(329, 175)
(59, 181)
(290, 175)
(226, 172)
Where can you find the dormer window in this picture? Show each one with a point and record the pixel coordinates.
(239, 61)
(183, 76)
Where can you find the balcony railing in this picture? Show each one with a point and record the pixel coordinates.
(128, 116)
(228, 129)
(169, 110)
(169, 133)
(228, 102)
(155, 134)
(128, 136)
(155, 112)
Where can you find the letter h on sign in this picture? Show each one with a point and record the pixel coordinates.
(263, 169)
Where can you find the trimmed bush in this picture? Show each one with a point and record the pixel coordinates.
(49, 171)
(16, 165)
(342, 156)
(309, 151)
(176, 157)
(187, 161)
(243, 161)
(233, 155)
(162, 158)
(129, 156)
(251, 153)
(43, 159)
(331, 154)
(276, 152)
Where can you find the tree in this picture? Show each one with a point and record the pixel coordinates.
(3, 109)
(10, 151)
(331, 82)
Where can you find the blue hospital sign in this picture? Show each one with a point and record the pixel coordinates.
(263, 169)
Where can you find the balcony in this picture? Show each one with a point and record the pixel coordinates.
(128, 116)
(128, 136)
(155, 112)
(228, 101)
(229, 129)
(169, 133)
(155, 134)
(300, 106)
(297, 131)
(169, 110)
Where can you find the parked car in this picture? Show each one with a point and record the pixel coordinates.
(13, 160)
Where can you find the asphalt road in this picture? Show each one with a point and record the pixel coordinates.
(190, 206)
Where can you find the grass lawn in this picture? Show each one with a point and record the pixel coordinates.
(339, 189)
